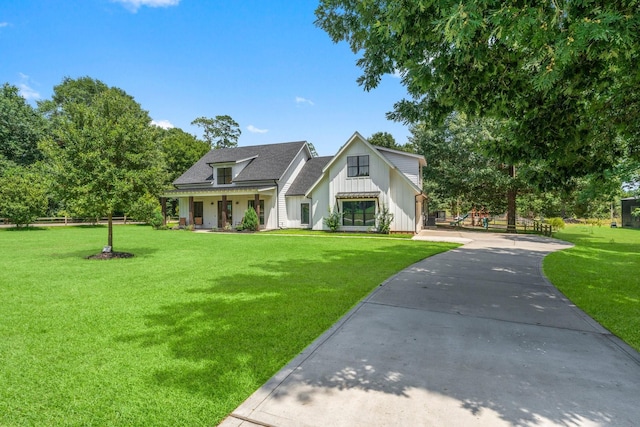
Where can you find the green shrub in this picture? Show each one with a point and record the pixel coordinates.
(383, 220)
(333, 220)
(156, 219)
(250, 220)
(23, 197)
(556, 223)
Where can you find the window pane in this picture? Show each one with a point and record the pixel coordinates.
(363, 163)
(347, 210)
(370, 213)
(358, 215)
(304, 208)
(352, 161)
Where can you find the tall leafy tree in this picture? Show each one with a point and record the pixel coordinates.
(181, 150)
(219, 132)
(312, 149)
(82, 90)
(460, 171)
(105, 157)
(21, 127)
(383, 139)
(563, 73)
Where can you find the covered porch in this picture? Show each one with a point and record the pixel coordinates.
(225, 208)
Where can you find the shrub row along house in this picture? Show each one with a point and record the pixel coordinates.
(289, 188)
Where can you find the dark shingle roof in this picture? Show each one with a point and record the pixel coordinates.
(309, 174)
(269, 162)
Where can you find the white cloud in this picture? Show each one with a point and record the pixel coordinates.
(4, 24)
(164, 124)
(26, 91)
(253, 129)
(301, 100)
(134, 5)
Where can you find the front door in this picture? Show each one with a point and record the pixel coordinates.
(229, 217)
(197, 212)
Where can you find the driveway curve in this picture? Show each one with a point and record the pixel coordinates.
(474, 336)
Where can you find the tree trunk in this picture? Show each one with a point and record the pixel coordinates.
(511, 202)
(110, 233)
(163, 204)
(224, 212)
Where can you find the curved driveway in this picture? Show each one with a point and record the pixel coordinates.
(474, 336)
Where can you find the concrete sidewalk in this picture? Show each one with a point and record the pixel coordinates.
(474, 336)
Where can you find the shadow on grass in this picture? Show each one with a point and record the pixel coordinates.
(24, 229)
(139, 252)
(240, 329)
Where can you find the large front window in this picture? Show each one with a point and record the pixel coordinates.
(359, 213)
(224, 175)
(357, 166)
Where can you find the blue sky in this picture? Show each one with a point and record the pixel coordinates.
(263, 62)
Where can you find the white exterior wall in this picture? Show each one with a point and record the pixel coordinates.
(407, 165)
(286, 219)
(210, 209)
(394, 190)
(378, 179)
(294, 211)
(402, 204)
(183, 208)
(320, 204)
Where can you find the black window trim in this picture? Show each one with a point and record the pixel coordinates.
(360, 168)
(223, 169)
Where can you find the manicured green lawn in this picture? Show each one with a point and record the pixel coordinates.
(601, 275)
(178, 335)
(304, 232)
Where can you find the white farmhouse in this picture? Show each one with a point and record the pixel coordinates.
(291, 189)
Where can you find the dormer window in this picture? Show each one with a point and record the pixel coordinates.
(224, 175)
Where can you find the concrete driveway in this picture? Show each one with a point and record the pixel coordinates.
(474, 336)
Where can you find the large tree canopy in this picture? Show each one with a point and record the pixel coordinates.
(459, 173)
(564, 73)
(21, 127)
(71, 91)
(181, 150)
(219, 132)
(105, 157)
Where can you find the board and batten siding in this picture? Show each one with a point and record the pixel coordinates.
(378, 179)
(294, 211)
(320, 204)
(287, 179)
(402, 204)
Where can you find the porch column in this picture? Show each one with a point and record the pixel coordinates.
(163, 205)
(224, 211)
(190, 222)
(256, 203)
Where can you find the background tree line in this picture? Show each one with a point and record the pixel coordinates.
(556, 83)
(91, 152)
